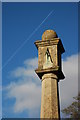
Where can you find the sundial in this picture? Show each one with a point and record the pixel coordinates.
(50, 72)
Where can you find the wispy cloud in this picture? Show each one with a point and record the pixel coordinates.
(27, 72)
(27, 96)
(27, 91)
(31, 62)
(69, 87)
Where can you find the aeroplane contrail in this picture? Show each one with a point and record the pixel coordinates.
(19, 48)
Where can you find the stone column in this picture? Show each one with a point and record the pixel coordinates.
(50, 72)
(49, 99)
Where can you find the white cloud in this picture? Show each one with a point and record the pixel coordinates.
(69, 86)
(31, 62)
(27, 91)
(27, 72)
(27, 96)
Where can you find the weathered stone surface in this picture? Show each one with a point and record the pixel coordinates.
(49, 101)
(49, 71)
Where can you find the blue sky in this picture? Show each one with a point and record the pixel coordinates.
(19, 22)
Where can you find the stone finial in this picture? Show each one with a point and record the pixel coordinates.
(49, 34)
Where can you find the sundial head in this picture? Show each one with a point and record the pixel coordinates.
(50, 49)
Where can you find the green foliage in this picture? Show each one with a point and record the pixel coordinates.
(74, 109)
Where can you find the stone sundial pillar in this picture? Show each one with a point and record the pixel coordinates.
(49, 71)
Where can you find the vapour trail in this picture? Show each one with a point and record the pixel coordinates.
(19, 48)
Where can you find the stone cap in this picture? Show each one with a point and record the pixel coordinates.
(54, 41)
(49, 38)
(49, 34)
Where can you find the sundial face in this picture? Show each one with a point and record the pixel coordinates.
(47, 56)
(48, 60)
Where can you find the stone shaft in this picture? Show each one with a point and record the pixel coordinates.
(49, 98)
